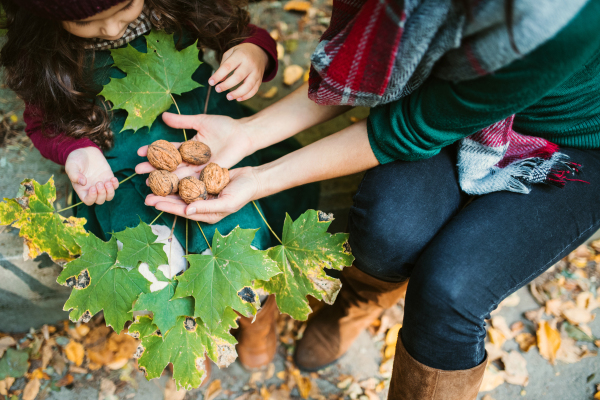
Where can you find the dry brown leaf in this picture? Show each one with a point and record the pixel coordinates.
(82, 330)
(525, 341)
(39, 374)
(281, 375)
(487, 397)
(107, 389)
(515, 367)
(269, 94)
(534, 315)
(5, 385)
(171, 392)
(548, 341)
(370, 383)
(280, 51)
(292, 74)
(77, 370)
(496, 337)
(553, 307)
(492, 378)
(511, 301)
(75, 352)
(303, 382)
(494, 353)
(264, 393)
(499, 323)
(47, 354)
(31, 389)
(586, 300)
(578, 316)
(391, 338)
(65, 380)
(371, 395)
(5, 343)
(213, 390)
(270, 371)
(297, 5)
(275, 34)
(58, 362)
(517, 327)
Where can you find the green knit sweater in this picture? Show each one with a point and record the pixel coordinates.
(554, 92)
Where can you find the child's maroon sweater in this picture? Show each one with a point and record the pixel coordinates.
(58, 147)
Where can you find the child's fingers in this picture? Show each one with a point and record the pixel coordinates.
(247, 90)
(91, 196)
(110, 191)
(101, 193)
(225, 69)
(74, 173)
(144, 168)
(143, 151)
(235, 79)
(115, 182)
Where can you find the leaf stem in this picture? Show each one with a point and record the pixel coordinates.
(176, 106)
(204, 235)
(170, 240)
(81, 202)
(269, 226)
(157, 217)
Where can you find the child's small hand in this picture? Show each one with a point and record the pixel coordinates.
(249, 63)
(91, 176)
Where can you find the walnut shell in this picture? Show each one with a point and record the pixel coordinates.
(163, 155)
(215, 178)
(192, 189)
(163, 183)
(194, 152)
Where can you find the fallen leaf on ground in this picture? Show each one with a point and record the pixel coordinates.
(525, 341)
(496, 337)
(296, 5)
(269, 94)
(499, 323)
(213, 390)
(548, 341)
(31, 389)
(587, 301)
(553, 307)
(39, 374)
(107, 389)
(303, 382)
(5, 343)
(391, 338)
(75, 352)
(578, 316)
(65, 381)
(5, 385)
(487, 397)
(515, 367)
(511, 301)
(492, 378)
(291, 74)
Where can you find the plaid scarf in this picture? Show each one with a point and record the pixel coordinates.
(137, 28)
(410, 40)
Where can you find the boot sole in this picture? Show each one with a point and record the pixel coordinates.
(316, 369)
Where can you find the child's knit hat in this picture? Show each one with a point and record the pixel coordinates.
(68, 10)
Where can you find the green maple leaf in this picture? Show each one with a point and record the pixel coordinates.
(306, 250)
(99, 284)
(138, 247)
(164, 308)
(152, 78)
(185, 346)
(43, 230)
(224, 280)
(14, 364)
(142, 327)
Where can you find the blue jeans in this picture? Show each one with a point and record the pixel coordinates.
(409, 220)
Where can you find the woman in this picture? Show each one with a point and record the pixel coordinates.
(449, 82)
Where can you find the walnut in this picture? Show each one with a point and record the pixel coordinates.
(215, 178)
(192, 189)
(163, 183)
(194, 152)
(163, 155)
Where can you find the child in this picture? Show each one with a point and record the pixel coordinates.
(57, 58)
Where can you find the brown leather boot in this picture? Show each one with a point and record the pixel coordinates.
(412, 380)
(332, 329)
(257, 341)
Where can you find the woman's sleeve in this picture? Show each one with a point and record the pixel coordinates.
(441, 112)
(55, 148)
(262, 39)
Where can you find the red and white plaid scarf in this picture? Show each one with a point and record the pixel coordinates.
(355, 62)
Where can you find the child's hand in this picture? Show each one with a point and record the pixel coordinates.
(92, 178)
(249, 63)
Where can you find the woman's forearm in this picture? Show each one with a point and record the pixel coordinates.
(290, 115)
(343, 153)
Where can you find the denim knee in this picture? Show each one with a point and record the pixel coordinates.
(444, 325)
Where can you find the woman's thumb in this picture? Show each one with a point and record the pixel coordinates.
(74, 173)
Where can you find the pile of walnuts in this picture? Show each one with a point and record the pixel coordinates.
(165, 158)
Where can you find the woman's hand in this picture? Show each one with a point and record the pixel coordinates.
(227, 138)
(243, 187)
(91, 176)
(248, 62)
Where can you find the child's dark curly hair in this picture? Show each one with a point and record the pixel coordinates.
(44, 64)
